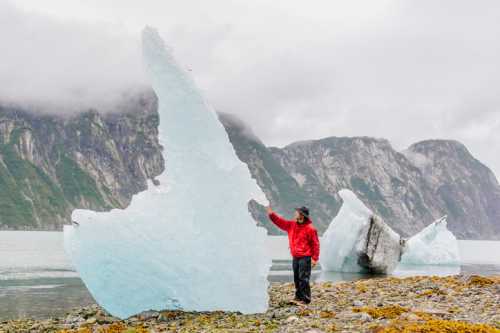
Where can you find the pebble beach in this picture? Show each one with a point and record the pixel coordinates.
(415, 304)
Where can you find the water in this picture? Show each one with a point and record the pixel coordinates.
(37, 280)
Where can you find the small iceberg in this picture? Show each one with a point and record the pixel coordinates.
(359, 241)
(434, 245)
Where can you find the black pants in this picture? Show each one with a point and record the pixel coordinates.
(301, 276)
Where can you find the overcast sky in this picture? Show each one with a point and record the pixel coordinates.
(293, 70)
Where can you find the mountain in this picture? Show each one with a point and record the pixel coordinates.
(409, 189)
(280, 187)
(380, 176)
(465, 188)
(50, 165)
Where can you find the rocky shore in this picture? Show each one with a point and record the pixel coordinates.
(414, 304)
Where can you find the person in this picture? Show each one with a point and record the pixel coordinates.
(304, 248)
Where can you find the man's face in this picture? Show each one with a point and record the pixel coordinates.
(298, 217)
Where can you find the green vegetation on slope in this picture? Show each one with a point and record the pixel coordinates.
(76, 184)
(30, 197)
(26, 191)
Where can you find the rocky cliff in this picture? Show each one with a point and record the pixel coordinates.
(381, 177)
(279, 185)
(50, 165)
(462, 186)
(409, 189)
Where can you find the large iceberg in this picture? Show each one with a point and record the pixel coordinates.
(434, 245)
(188, 243)
(359, 241)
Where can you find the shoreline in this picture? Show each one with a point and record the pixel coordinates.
(418, 304)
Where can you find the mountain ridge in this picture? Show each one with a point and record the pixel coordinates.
(387, 180)
(51, 165)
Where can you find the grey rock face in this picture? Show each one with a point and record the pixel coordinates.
(408, 190)
(464, 188)
(50, 165)
(280, 187)
(383, 248)
(385, 180)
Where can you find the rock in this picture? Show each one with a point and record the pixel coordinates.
(67, 326)
(409, 316)
(291, 319)
(163, 318)
(72, 319)
(362, 316)
(102, 319)
(91, 321)
(36, 326)
(357, 303)
(88, 313)
(432, 311)
(147, 315)
(382, 250)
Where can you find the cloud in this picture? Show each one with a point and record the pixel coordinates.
(403, 70)
(64, 66)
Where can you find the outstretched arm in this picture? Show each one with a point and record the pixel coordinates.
(278, 220)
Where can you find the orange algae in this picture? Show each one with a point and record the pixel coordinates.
(388, 312)
(438, 326)
(112, 328)
(327, 314)
(480, 281)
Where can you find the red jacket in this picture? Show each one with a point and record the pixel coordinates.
(303, 238)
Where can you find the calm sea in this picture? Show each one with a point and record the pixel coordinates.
(37, 280)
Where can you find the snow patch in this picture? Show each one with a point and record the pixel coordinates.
(299, 178)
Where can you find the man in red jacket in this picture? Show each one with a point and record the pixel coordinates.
(304, 247)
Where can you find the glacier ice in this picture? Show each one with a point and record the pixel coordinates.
(190, 242)
(359, 241)
(341, 238)
(434, 245)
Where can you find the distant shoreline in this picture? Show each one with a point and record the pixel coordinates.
(374, 305)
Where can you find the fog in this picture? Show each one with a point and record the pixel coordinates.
(63, 66)
(292, 70)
